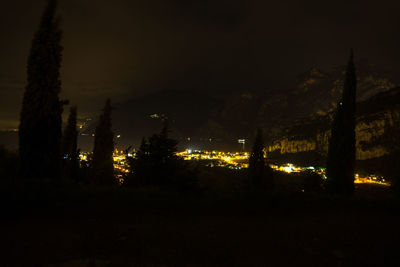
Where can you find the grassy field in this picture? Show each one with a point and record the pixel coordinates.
(134, 227)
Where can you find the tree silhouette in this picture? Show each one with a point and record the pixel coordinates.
(102, 164)
(260, 173)
(40, 121)
(157, 164)
(139, 166)
(156, 161)
(335, 162)
(162, 150)
(69, 147)
(342, 144)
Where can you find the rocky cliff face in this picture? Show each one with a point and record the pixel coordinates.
(314, 94)
(229, 115)
(376, 116)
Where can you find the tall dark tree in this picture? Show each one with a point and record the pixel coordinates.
(70, 147)
(40, 123)
(102, 164)
(156, 159)
(260, 173)
(139, 166)
(335, 162)
(157, 164)
(163, 149)
(342, 144)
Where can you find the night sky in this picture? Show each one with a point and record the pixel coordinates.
(125, 48)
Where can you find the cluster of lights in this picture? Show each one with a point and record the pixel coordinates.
(291, 168)
(288, 168)
(83, 157)
(120, 164)
(236, 160)
(232, 160)
(371, 179)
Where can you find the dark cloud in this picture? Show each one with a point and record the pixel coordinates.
(126, 48)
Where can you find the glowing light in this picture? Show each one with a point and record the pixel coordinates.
(231, 160)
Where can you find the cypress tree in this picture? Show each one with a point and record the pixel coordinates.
(342, 145)
(40, 121)
(69, 147)
(260, 173)
(335, 162)
(102, 164)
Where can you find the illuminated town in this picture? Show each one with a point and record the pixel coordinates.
(230, 160)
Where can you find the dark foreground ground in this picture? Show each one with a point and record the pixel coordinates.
(89, 227)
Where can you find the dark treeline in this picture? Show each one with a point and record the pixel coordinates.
(47, 154)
